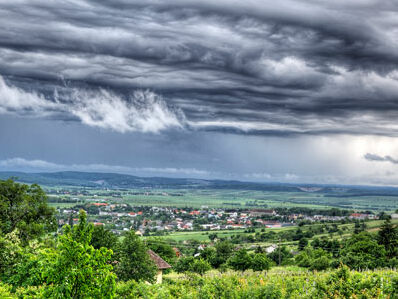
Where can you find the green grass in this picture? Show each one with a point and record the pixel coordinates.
(61, 205)
(200, 235)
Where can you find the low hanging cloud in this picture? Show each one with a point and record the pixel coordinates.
(143, 111)
(37, 165)
(21, 164)
(377, 158)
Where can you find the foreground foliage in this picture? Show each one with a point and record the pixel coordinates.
(24, 208)
(341, 283)
(85, 262)
(68, 268)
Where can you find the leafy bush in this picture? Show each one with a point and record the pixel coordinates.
(260, 262)
(241, 260)
(321, 263)
(317, 259)
(71, 269)
(76, 269)
(341, 283)
(191, 264)
(200, 266)
(362, 251)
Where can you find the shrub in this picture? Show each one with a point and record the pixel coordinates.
(321, 263)
(260, 262)
(241, 260)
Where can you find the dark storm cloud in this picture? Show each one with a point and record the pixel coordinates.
(377, 158)
(253, 67)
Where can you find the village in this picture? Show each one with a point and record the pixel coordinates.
(120, 217)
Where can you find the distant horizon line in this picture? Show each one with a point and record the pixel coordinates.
(297, 184)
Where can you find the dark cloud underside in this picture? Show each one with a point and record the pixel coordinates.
(255, 67)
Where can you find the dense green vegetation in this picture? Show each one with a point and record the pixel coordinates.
(341, 283)
(24, 208)
(83, 261)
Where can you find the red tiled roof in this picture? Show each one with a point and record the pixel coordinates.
(356, 215)
(98, 204)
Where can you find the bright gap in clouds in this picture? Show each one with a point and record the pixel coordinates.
(316, 159)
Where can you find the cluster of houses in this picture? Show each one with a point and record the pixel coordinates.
(314, 218)
(121, 217)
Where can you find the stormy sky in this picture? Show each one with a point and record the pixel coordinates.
(295, 91)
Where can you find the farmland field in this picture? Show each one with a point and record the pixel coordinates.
(202, 236)
(216, 198)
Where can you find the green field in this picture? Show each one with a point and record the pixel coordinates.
(247, 199)
(202, 236)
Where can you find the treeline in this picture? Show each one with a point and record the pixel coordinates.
(312, 212)
(250, 235)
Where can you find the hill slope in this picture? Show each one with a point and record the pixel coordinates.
(115, 180)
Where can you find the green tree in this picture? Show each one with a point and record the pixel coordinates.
(224, 251)
(320, 263)
(212, 237)
(259, 249)
(303, 259)
(199, 266)
(191, 264)
(133, 259)
(357, 228)
(208, 254)
(303, 242)
(362, 251)
(102, 237)
(260, 262)
(241, 260)
(79, 270)
(74, 269)
(184, 264)
(388, 237)
(284, 254)
(315, 259)
(25, 208)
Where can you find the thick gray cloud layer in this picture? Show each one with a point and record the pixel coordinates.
(256, 67)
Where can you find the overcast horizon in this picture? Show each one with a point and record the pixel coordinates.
(253, 91)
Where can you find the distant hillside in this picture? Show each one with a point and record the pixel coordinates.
(114, 181)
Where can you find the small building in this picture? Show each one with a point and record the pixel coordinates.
(160, 263)
(271, 248)
(262, 212)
